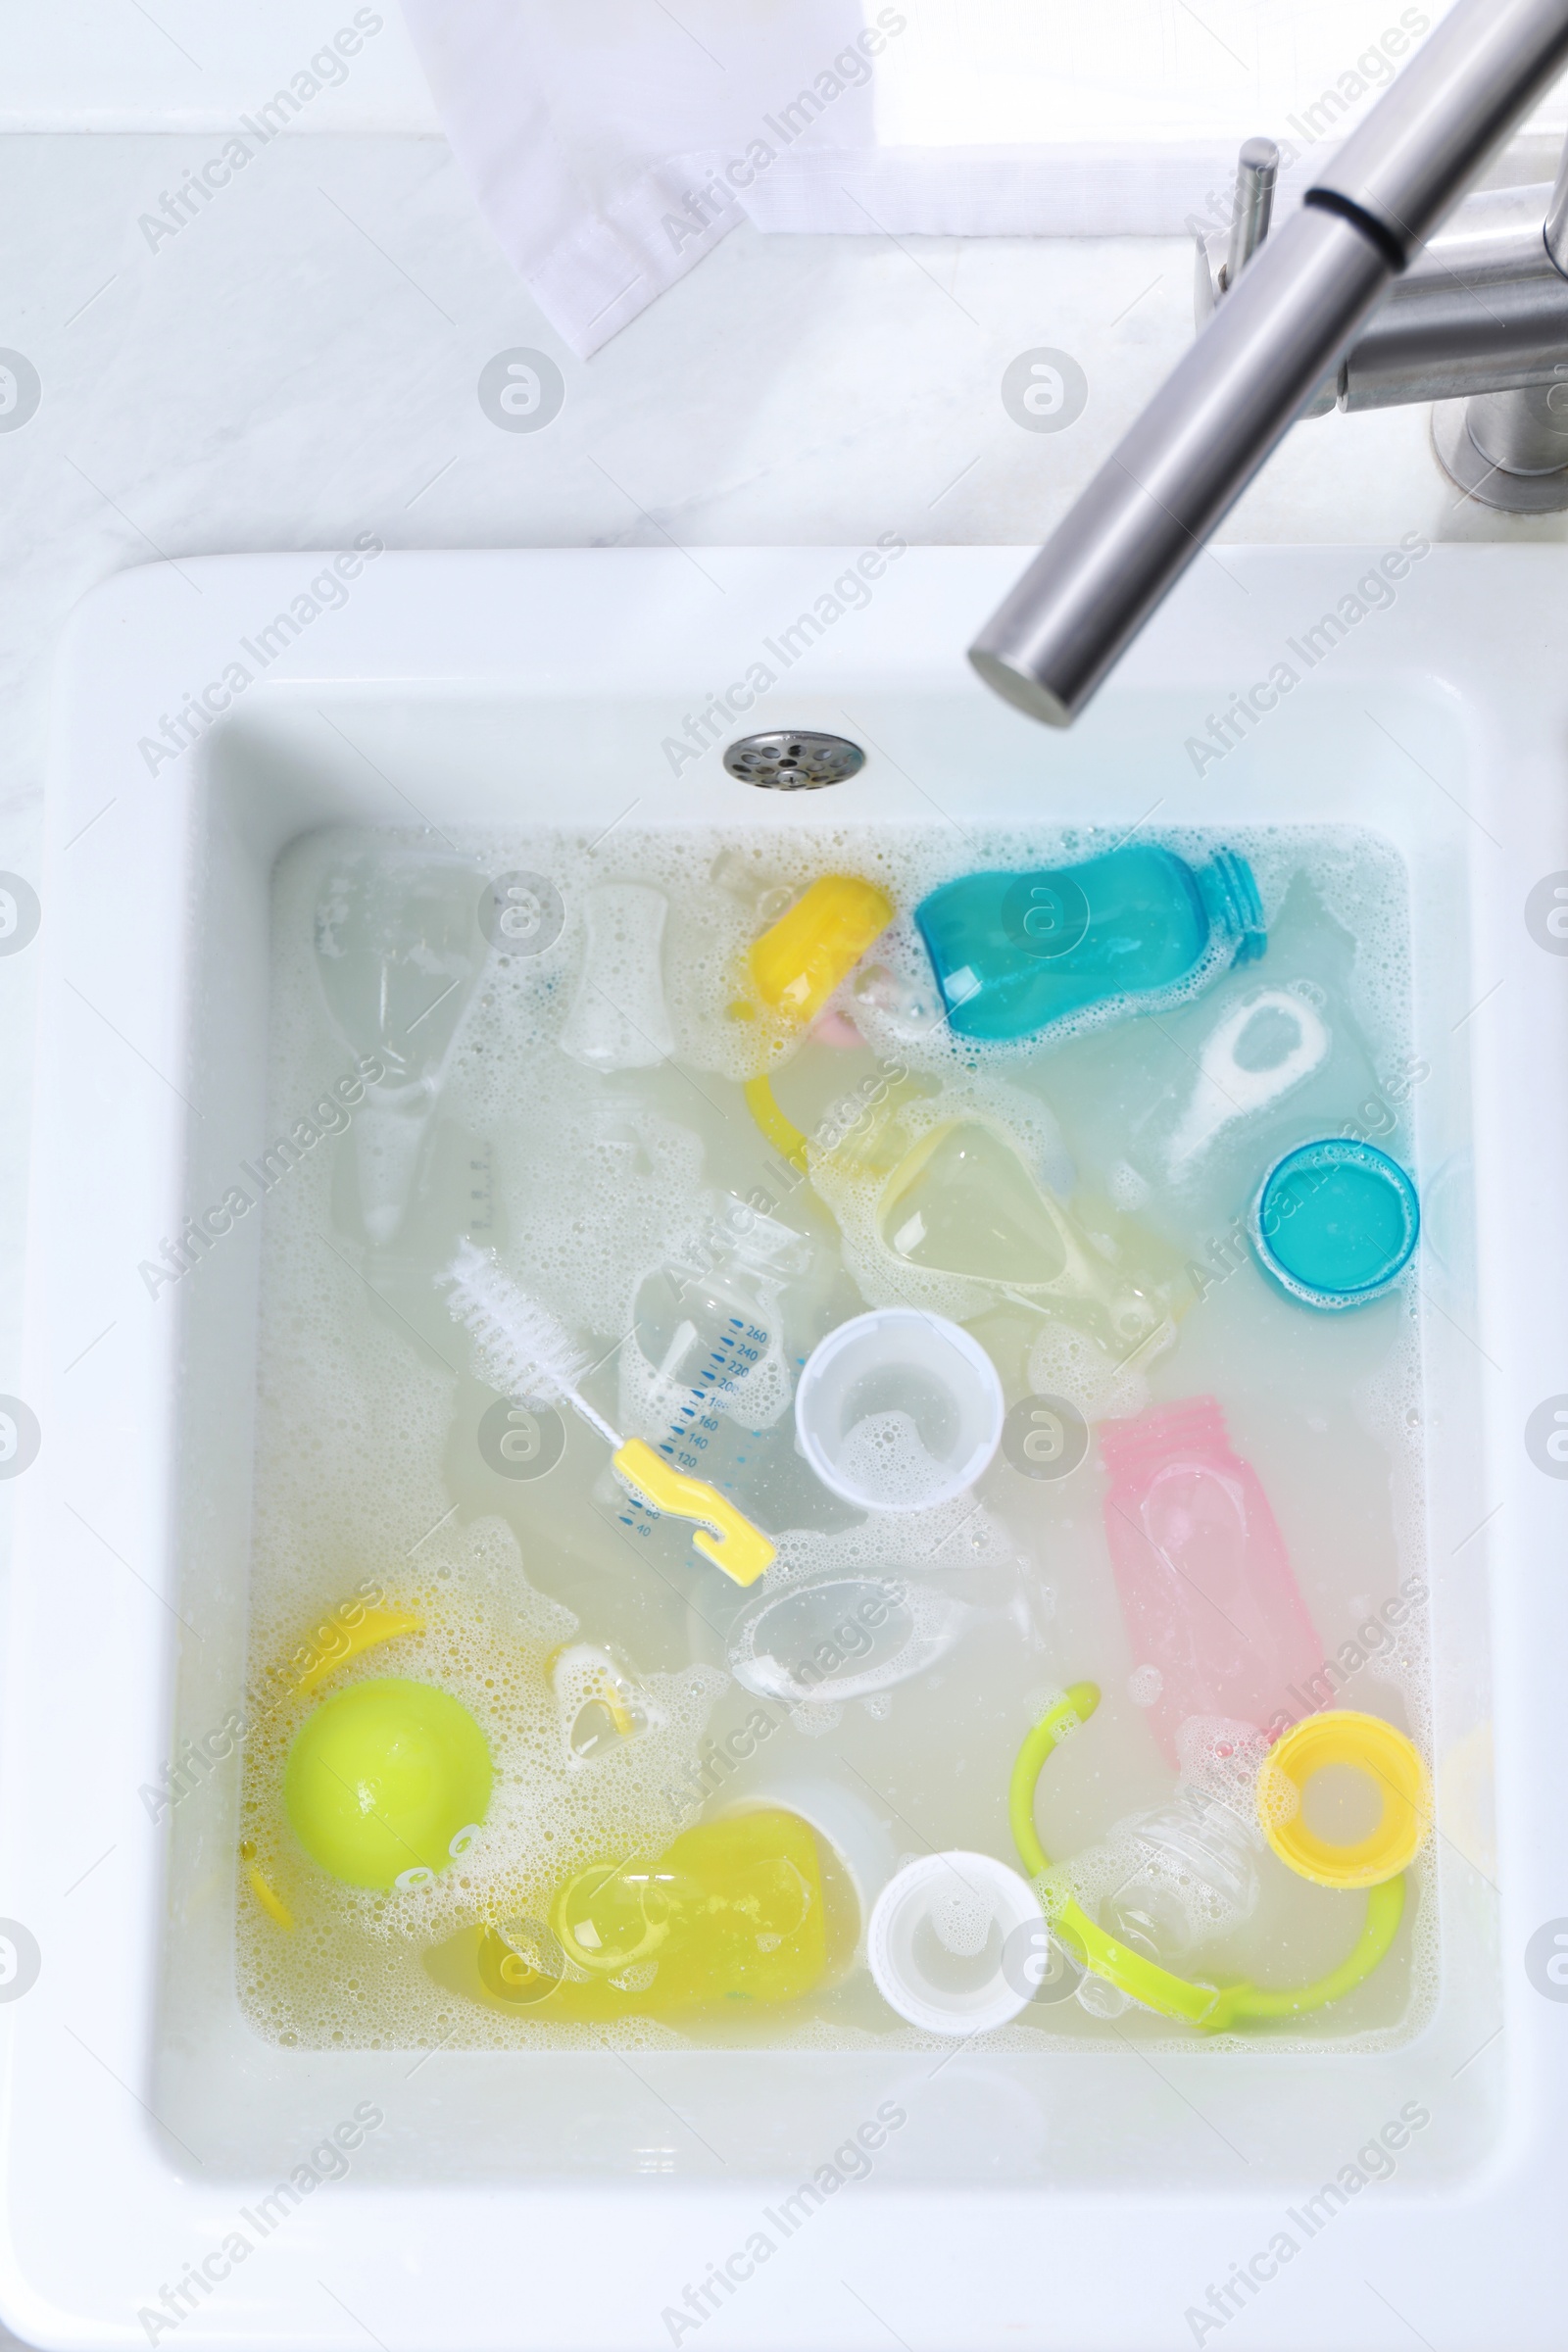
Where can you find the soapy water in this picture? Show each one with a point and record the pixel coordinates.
(956, 1947)
(962, 1923)
(884, 1458)
(834, 1637)
(597, 1176)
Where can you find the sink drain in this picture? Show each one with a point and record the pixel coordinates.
(786, 761)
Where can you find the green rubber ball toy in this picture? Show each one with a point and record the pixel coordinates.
(387, 1783)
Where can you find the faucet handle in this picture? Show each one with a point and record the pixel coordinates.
(1258, 170)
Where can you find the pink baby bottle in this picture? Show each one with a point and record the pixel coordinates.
(1204, 1576)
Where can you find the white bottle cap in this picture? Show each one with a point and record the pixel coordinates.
(899, 1411)
(950, 1943)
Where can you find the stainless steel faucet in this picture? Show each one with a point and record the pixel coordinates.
(1348, 304)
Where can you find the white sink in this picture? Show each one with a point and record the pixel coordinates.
(1077, 2201)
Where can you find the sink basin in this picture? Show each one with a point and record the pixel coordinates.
(154, 2145)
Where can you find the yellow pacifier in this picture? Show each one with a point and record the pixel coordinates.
(1385, 1760)
(799, 962)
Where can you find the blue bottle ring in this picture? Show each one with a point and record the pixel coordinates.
(1334, 1223)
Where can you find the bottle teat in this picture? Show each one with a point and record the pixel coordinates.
(600, 1706)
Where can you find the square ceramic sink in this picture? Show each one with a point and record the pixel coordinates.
(1118, 2194)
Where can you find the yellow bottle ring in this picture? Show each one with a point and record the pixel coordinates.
(1342, 1736)
(511, 1974)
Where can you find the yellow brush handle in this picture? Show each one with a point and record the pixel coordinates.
(741, 1550)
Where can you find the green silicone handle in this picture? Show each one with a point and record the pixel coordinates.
(1212, 2008)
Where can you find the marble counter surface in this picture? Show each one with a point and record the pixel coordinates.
(180, 64)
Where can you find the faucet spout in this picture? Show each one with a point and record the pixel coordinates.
(1282, 329)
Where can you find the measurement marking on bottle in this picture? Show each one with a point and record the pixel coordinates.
(481, 1192)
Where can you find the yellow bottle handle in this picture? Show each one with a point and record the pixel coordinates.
(782, 1132)
(352, 1641)
(266, 1894)
(734, 1544)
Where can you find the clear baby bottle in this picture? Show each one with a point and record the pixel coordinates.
(1195, 1876)
(1173, 1880)
(618, 1020)
(1213, 1611)
(706, 1338)
(964, 1201)
(398, 952)
(818, 1640)
(1017, 954)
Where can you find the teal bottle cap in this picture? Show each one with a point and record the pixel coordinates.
(1334, 1223)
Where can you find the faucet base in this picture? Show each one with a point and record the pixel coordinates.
(1510, 489)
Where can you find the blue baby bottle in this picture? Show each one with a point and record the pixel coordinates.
(1018, 953)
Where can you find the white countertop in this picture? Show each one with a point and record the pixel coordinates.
(299, 364)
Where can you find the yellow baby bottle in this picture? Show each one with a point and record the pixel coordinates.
(731, 1913)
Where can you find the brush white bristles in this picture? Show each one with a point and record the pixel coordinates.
(527, 1353)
